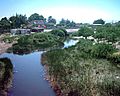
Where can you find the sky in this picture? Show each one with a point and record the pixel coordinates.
(80, 11)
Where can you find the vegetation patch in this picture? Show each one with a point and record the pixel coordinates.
(37, 41)
(6, 75)
(80, 71)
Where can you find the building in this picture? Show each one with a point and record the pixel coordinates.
(37, 23)
(37, 29)
(20, 31)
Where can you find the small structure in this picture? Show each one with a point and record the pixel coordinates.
(37, 29)
(20, 31)
(37, 23)
(94, 26)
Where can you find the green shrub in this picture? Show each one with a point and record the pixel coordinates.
(115, 57)
(102, 50)
(36, 41)
(9, 39)
(59, 32)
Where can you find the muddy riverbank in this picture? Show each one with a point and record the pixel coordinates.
(6, 76)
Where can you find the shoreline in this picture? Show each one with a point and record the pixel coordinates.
(6, 76)
(6, 84)
(51, 79)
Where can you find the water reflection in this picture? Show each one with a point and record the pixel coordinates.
(29, 76)
(69, 43)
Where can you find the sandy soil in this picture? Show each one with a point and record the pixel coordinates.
(4, 47)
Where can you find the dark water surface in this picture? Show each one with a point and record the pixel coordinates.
(29, 74)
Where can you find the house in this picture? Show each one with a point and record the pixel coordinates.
(37, 23)
(20, 31)
(37, 29)
(94, 26)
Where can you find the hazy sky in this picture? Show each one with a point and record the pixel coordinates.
(76, 10)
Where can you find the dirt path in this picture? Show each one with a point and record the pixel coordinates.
(4, 47)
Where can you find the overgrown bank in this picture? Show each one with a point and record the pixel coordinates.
(37, 41)
(85, 69)
(6, 75)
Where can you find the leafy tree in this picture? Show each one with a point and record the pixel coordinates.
(62, 22)
(108, 25)
(102, 50)
(85, 32)
(72, 24)
(67, 23)
(109, 33)
(12, 20)
(51, 20)
(36, 16)
(4, 23)
(99, 21)
(59, 32)
(18, 21)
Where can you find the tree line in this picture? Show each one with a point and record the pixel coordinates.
(19, 21)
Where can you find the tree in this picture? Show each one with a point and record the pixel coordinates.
(4, 23)
(62, 22)
(59, 32)
(12, 20)
(18, 21)
(85, 32)
(99, 21)
(51, 20)
(67, 23)
(102, 50)
(72, 24)
(36, 16)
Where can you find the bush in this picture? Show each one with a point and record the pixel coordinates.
(9, 39)
(37, 41)
(115, 57)
(84, 31)
(102, 50)
(59, 32)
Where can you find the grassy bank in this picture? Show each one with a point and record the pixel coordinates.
(84, 69)
(36, 41)
(6, 74)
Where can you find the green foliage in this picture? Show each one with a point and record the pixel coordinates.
(102, 50)
(67, 23)
(51, 20)
(111, 34)
(36, 41)
(84, 45)
(83, 76)
(84, 31)
(59, 32)
(6, 72)
(115, 58)
(36, 16)
(4, 23)
(10, 39)
(99, 21)
(18, 21)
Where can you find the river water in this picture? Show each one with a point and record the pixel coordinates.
(29, 74)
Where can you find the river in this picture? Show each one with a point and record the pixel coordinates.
(29, 74)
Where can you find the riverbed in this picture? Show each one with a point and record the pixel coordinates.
(29, 74)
